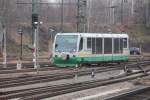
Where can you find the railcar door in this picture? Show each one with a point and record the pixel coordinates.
(116, 49)
(108, 49)
(125, 46)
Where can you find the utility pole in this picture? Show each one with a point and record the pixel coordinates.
(19, 63)
(62, 16)
(4, 47)
(3, 23)
(89, 15)
(82, 16)
(147, 13)
(1, 39)
(35, 30)
(20, 32)
(35, 45)
(35, 16)
(122, 8)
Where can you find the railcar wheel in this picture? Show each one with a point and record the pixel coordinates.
(119, 63)
(77, 65)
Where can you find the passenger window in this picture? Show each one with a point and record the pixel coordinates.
(116, 45)
(107, 45)
(99, 45)
(125, 42)
(93, 45)
(121, 45)
(89, 43)
(81, 44)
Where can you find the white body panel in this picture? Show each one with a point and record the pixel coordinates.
(93, 35)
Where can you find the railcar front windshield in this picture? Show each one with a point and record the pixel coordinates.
(66, 43)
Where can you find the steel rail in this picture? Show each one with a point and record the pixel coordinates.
(58, 76)
(12, 66)
(51, 91)
(42, 66)
(26, 70)
(81, 86)
(53, 77)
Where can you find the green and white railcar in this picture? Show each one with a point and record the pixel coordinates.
(72, 49)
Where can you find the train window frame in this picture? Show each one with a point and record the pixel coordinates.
(99, 45)
(116, 45)
(125, 43)
(81, 44)
(93, 45)
(89, 43)
(65, 40)
(109, 51)
(121, 45)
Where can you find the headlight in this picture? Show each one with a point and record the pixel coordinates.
(65, 56)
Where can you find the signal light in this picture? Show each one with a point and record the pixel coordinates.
(34, 19)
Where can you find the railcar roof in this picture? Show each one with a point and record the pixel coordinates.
(121, 35)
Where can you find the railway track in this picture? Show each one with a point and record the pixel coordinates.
(28, 67)
(28, 70)
(43, 67)
(53, 77)
(140, 93)
(12, 66)
(66, 74)
(50, 91)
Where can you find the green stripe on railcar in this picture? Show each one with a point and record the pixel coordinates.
(58, 61)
